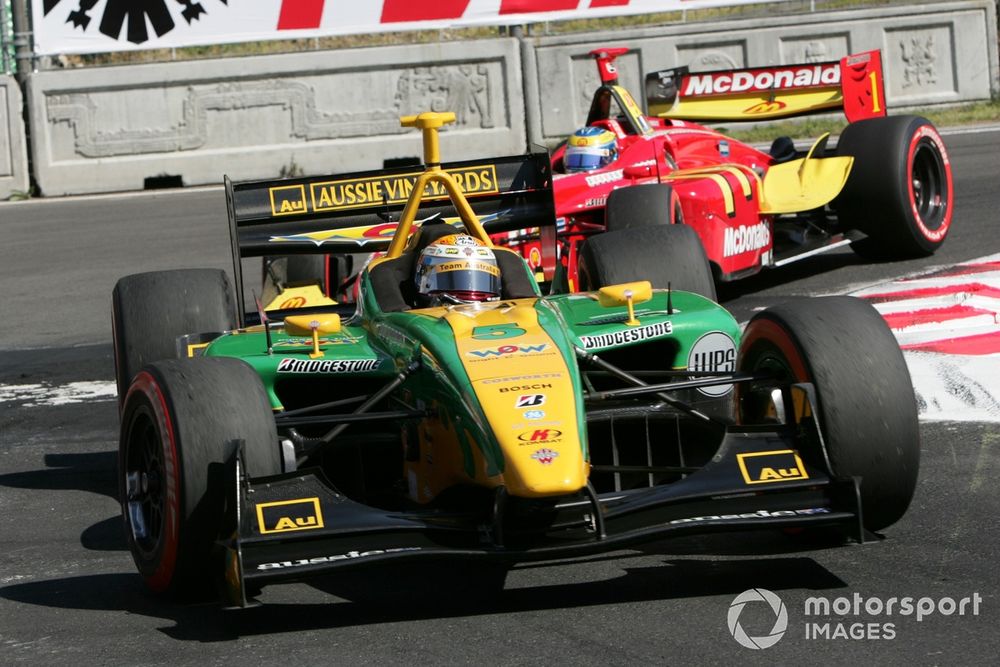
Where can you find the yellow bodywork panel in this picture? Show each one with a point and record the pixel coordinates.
(524, 387)
(752, 106)
(300, 297)
(804, 184)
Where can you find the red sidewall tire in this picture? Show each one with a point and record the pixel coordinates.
(866, 407)
(927, 138)
(145, 394)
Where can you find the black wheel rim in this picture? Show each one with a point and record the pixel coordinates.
(930, 196)
(145, 495)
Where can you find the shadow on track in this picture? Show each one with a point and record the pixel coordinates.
(373, 596)
(90, 471)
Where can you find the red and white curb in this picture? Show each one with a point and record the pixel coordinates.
(947, 322)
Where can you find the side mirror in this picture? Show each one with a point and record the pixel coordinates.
(626, 294)
(638, 171)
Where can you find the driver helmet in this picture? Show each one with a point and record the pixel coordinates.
(590, 148)
(458, 268)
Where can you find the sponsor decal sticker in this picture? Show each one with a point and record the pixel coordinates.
(530, 401)
(545, 456)
(775, 466)
(350, 555)
(759, 514)
(376, 190)
(765, 107)
(624, 336)
(762, 80)
(526, 387)
(288, 200)
(328, 365)
(534, 414)
(294, 302)
(523, 378)
(747, 238)
(489, 352)
(714, 352)
(604, 179)
(541, 436)
(287, 516)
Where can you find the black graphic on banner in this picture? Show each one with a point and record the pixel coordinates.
(135, 12)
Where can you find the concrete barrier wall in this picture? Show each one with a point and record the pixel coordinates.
(932, 54)
(13, 157)
(115, 128)
(108, 129)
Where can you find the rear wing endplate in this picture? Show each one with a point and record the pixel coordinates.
(853, 84)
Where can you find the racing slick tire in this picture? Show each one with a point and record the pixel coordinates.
(900, 190)
(642, 205)
(664, 255)
(867, 408)
(150, 310)
(179, 419)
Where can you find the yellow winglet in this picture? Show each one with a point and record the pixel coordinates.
(305, 325)
(804, 184)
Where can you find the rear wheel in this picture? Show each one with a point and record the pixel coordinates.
(642, 205)
(178, 419)
(899, 191)
(664, 255)
(150, 311)
(867, 409)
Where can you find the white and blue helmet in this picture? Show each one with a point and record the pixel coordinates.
(590, 148)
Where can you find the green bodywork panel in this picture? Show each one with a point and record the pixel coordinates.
(374, 344)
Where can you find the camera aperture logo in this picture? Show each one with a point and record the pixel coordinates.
(780, 618)
(843, 618)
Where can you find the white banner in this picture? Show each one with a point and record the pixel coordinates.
(96, 26)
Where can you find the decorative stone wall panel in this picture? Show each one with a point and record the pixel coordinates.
(13, 157)
(105, 129)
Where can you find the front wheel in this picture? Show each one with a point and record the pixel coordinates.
(178, 418)
(899, 191)
(867, 408)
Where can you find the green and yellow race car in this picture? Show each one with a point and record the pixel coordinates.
(454, 412)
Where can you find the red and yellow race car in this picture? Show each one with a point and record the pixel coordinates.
(885, 189)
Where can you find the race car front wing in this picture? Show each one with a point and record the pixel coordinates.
(296, 525)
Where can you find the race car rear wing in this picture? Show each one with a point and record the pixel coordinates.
(854, 84)
(358, 212)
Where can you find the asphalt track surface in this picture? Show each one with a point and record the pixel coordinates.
(69, 593)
